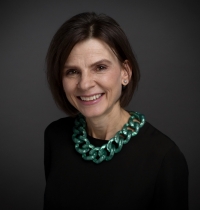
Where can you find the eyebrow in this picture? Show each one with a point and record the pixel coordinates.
(92, 65)
(100, 62)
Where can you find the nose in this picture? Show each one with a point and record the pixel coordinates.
(86, 81)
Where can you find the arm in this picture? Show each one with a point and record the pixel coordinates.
(171, 191)
(46, 154)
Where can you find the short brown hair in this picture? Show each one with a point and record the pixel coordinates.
(78, 28)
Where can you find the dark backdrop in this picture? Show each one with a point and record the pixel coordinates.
(165, 36)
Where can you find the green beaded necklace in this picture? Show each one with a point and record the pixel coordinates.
(107, 151)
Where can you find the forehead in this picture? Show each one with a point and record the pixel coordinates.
(91, 49)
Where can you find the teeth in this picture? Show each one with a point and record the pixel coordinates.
(91, 98)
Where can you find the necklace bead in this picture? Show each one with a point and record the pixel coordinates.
(114, 145)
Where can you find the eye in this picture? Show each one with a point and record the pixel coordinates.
(101, 68)
(71, 72)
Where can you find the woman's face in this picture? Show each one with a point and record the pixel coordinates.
(93, 78)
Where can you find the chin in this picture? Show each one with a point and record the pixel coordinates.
(92, 113)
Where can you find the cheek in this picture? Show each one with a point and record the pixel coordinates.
(68, 88)
(64, 85)
(113, 84)
(115, 78)
(68, 92)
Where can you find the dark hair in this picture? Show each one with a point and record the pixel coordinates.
(78, 28)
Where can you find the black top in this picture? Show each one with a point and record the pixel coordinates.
(150, 172)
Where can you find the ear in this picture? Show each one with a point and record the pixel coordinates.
(126, 72)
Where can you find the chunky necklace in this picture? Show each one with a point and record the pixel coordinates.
(114, 145)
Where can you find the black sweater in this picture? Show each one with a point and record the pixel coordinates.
(150, 172)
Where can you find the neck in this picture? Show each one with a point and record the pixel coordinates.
(106, 126)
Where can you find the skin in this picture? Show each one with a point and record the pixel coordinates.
(92, 68)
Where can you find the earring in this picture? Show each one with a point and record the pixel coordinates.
(124, 85)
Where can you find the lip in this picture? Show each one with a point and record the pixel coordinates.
(90, 102)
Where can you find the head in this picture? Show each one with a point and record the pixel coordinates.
(82, 27)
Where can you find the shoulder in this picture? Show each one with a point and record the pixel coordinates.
(58, 131)
(158, 143)
(149, 131)
(62, 124)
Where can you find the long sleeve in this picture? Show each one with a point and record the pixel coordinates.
(171, 192)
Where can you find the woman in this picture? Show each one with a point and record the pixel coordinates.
(102, 156)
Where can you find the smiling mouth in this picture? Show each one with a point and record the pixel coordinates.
(90, 98)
